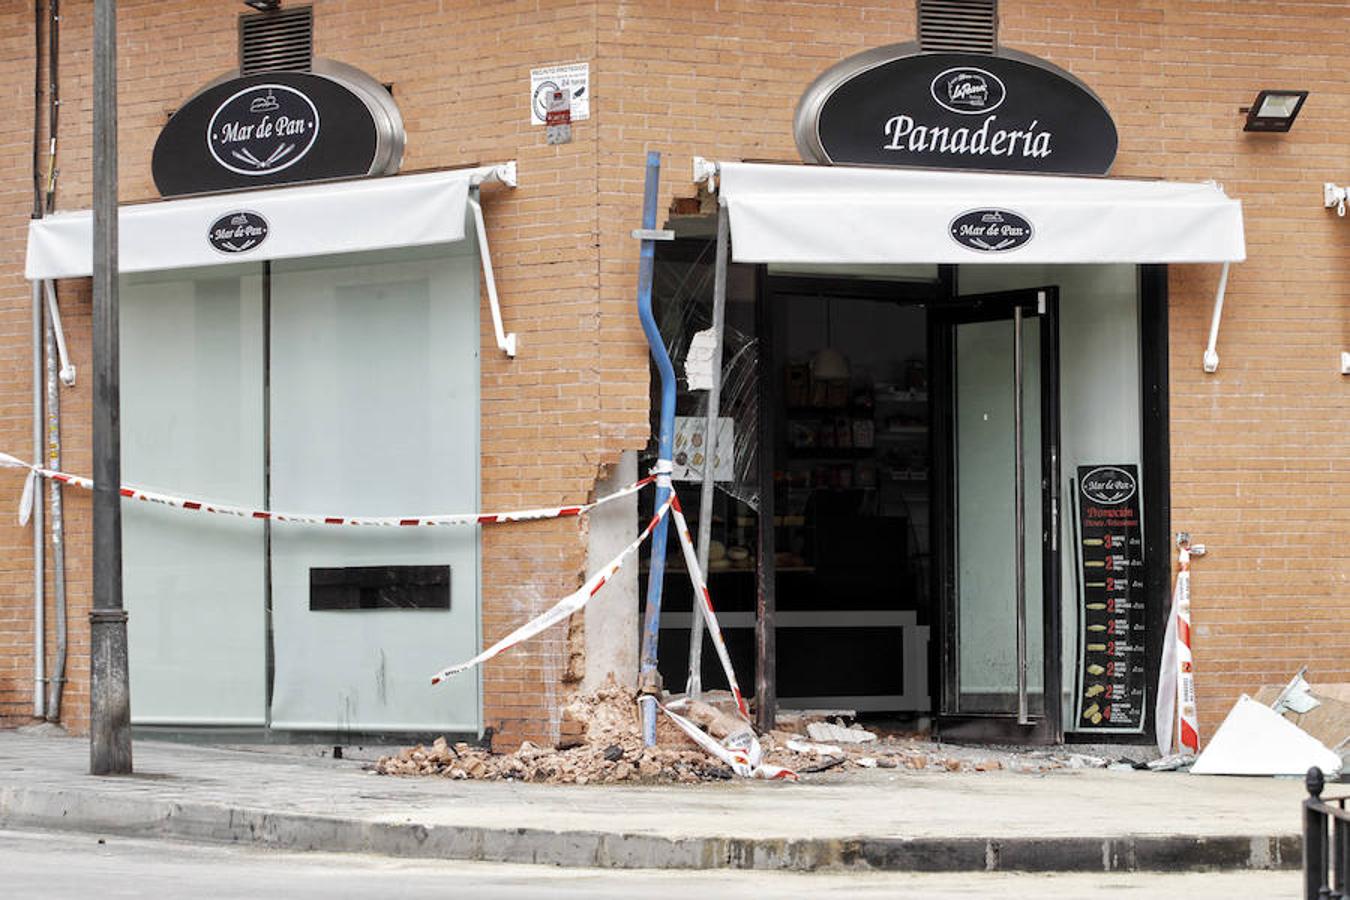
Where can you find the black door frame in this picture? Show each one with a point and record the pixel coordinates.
(1047, 728)
(1154, 348)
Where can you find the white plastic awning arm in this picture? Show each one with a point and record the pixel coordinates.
(705, 171)
(503, 174)
(54, 310)
(1334, 197)
(1211, 352)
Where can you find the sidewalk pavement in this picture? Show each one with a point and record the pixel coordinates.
(1069, 820)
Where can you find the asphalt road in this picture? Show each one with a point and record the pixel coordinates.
(43, 865)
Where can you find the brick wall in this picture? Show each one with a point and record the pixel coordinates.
(1259, 449)
(460, 73)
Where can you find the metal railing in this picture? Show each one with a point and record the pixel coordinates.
(1326, 862)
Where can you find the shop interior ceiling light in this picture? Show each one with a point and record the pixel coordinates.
(1274, 110)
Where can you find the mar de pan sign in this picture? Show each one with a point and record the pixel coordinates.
(1011, 112)
(278, 128)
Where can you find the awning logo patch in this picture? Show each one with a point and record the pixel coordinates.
(991, 230)
(263, 129)
(237, 232)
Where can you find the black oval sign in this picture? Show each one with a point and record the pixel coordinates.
(991, 230)
(1109, 485)
(895, 106)
(263, 129)
(237, 232)
(273, 128)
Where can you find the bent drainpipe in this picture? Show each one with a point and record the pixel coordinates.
(648, 681)
(55, 342)
(1211, 362)
(39, 534)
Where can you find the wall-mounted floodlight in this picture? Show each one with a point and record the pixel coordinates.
(263, 5)
(1274, 110)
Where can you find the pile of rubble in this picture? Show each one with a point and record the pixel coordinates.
(601, 743)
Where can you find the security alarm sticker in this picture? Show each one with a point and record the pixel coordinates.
(574, 79)
(263, 129)
(237, 232)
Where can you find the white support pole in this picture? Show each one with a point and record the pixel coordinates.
(1211, 361)
(506, 342)
(694, 685)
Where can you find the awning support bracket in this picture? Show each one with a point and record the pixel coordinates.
(1211, 361)
(54, 310)
(506, 342)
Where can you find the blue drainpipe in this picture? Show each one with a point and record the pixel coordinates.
(651, 625)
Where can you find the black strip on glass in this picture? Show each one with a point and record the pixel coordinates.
(379, 587)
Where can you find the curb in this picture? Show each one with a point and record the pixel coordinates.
(143, 817)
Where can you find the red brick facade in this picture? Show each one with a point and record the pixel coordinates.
(1260, 449)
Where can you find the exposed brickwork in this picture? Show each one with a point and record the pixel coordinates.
(1260, 450)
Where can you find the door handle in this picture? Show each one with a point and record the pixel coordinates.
(1054, 523)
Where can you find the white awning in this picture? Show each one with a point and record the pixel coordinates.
(310, 220)
(842, 214)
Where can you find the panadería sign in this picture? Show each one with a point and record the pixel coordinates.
(895, 106)
(279, 128)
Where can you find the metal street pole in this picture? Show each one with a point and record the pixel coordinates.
(109, 689)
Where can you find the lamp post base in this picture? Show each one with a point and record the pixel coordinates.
(109, 694)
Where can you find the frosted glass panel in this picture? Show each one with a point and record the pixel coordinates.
(374, 412)
(192, 376)
(985, 516)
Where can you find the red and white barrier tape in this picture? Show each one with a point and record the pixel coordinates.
(560, 610)
(134, 493)
(740, 751)
(705, 607)
(1176, 707)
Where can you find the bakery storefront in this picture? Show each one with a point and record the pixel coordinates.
(945, 383)
(299, 331)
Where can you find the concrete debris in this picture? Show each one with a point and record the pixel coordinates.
(717, 722)
(826, 731)
(600, 742)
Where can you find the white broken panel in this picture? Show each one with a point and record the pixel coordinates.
(698, 362)
(825, 731)
(1256, 740)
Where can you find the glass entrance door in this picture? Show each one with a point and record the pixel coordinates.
(997, 505)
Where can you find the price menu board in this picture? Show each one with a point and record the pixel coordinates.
(1111, 673)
